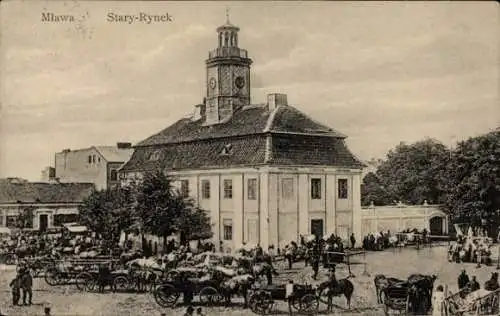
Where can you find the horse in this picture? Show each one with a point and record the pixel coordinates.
(343, 286)
(382, 283)
(237, 285)
(420, 291)
(264, 269)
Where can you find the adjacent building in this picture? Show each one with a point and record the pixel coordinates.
(48, 204)
(401, 217)
(266, 173)
(97, 164)
(48, 174)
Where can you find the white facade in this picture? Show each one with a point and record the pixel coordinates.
(399, 218)
(274, 205)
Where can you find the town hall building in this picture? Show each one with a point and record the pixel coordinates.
(266, 173)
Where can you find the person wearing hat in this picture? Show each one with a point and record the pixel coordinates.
(463, 279)
(15, 285)
(26, 286)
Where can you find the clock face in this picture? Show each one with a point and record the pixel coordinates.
(213, 82)
(239, 82)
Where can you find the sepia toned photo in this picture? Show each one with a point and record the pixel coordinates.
(249, 158)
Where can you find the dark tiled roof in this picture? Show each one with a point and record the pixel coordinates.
(311, 150)
(296, 140)
(249, 150)
(31, 192)
(248, 121)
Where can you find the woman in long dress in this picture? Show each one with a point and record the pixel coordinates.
(437, 301)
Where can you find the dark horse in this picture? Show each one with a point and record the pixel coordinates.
(343, 286)
(420, 292)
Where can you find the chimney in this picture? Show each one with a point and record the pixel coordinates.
(199, 111)
(276, 99)
(66, 150)
(123, 145)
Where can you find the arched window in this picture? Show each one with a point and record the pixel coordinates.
(226, 39)
(235, 39)
(220, 39)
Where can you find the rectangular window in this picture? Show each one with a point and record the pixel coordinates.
(228, 229)
(343, 189)
(90, 159)
(184, 188)
(113, 175)
(205, 189)
(287, 188)
(252, 189)
(228, 189)
(10, 221)
(316, 189)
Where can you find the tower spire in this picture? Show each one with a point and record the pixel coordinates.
(227, 15)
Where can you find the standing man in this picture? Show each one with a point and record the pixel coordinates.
(15, 285)
(315, 264)
(27, 286)
(353, 241)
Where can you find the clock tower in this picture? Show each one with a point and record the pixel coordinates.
(228, 76)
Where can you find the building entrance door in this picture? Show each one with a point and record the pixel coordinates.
(436, 226)
(43, 220)
(317, 227)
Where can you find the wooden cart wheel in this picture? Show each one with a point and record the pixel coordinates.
(309, 304)
(51, 277)
(210, 296)
(91, 284)
(166, 295)
(120, 284)
(261, 303)
(81, 280)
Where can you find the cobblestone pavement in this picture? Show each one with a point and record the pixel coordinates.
(67, 300)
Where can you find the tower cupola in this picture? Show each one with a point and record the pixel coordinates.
(228, 76)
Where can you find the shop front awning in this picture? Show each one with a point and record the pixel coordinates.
(5, 230)
(77, 229)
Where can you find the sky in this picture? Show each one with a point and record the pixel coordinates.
(380, 72)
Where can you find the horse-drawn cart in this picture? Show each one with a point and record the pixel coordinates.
(304, 298)
(480, 302)
(396, 300)
(193, 281)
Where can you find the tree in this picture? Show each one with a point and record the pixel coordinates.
(473, 180)
(372, 190)
(195, 223)
(163, 211)
(413, 173)
(108, 212)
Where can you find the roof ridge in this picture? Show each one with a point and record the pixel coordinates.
(270, 119)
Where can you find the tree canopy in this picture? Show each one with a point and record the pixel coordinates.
(465, 180)
(410, 173)
(107, 212)
(153, 204)
(472, 181)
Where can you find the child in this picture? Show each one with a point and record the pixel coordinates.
(15, 284)
(289, 288)
(437, 301)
